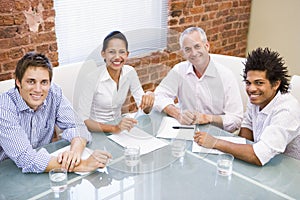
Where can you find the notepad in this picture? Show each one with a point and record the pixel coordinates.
(200, 149)
(166, 129)
(136, 136)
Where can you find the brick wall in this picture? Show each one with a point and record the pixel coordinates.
(225, 22)
(25, 25)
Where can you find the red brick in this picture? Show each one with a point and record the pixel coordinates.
(5, 43)
(16, 53)
(22, 5)
(225, 5)
(47, 4)
(197, 10)
(10, 66)
(43, 48)
(8, 32)
(6, 76)
(19, 19)
(6, 20)
(19, 41)
(6, 6)
(48, 15)
(177, 6)
(197, 2)
(4, 56)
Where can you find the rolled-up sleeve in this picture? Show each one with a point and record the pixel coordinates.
(167, 91)
(71, 124)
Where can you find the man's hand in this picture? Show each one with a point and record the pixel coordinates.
(201, 118)
(186, 117)
(69, 160)
(204, 139)
(98, 159)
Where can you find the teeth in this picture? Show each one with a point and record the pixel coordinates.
(117, 63)
(36, 96)
(254, 95)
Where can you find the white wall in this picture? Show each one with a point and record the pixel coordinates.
(276, 24)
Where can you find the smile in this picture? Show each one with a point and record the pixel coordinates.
(36, 97)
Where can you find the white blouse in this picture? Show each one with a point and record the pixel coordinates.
(106, 101)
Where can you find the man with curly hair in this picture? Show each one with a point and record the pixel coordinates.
(272, 118)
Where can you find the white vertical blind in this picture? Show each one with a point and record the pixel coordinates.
(82, 25)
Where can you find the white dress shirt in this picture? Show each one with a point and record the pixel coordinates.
(216, 92)
(102, 99)
(276, 128)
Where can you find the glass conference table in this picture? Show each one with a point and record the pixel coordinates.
(160, 176)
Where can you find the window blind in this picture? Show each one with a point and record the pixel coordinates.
(82, 25)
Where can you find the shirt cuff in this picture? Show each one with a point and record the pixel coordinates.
(263, 152)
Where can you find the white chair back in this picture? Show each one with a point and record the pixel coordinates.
(6, 85)
(295, 86)
(236, 65)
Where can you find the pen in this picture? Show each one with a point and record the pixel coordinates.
(182, 127)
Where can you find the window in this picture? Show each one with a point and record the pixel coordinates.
(82, 25)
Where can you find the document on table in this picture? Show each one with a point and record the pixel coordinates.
(200, 149)
(136, 136)
(166, 129)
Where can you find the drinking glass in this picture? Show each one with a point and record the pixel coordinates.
(224, 164)
(132, 155)
(178, 147)
(58, 180)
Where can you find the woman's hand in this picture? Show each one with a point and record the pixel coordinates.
(125, 124)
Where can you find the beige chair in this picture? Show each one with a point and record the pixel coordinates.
(295, 86)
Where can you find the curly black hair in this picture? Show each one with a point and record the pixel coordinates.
(270, 62)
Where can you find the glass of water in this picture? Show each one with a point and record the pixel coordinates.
(132, 155)
(58, 180)
(224, 164)
(178, 147)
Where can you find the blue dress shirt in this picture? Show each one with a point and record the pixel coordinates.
(23, 131)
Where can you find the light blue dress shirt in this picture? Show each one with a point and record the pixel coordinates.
(23, 131)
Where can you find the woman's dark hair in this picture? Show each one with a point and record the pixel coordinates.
(32, 59)
(270, 62)
(112, 35)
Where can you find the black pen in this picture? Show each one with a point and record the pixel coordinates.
(182, 127)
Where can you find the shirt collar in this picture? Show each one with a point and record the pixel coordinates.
(104, 75)
(210, 70)
(269, 107)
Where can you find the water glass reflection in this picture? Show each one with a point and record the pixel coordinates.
(178, 147)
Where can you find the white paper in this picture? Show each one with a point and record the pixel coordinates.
(166, 129)
(200, 149)
(136, 136)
